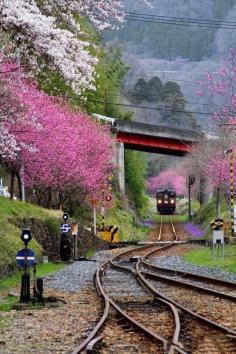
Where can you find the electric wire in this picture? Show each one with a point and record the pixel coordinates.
(179, 21)
(144, 107)
(186, 102)
(186, 19)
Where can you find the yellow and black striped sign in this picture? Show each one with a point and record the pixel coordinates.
(217, 224)
(231, 173)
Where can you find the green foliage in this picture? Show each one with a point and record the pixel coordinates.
(52, 225)
(154, 89)
(53, 84)
(206, 213)
(140, 91)
(203, 257)
(135, 170)
(169, 99)
(128, 230)
(6, 304)
(11, 211)
(171, 87)
(110, 73)
(166, 219)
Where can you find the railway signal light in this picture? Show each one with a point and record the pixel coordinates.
(66, 216)
(26, 236)
(190, 180)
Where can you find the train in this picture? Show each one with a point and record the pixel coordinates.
(166, 201)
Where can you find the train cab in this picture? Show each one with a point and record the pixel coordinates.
(166, 201)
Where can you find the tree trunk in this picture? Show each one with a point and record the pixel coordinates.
(12, 182)
(202, 196)
(19, 185)
(49, 198)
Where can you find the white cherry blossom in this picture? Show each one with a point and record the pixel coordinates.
(46, 32)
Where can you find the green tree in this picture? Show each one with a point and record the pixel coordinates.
(135, 174)
(169, 88)
(140, 91)
(154, 89)
(110, 73)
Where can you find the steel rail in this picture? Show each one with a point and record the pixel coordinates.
(104, 317)
(140, 248)
(123, 313)
(170, 245)
(107, 302)
(160, 231)
(173, 229)
(175, 339)
(187, 274)
(172, 346)
(189, 285)
(183, 308)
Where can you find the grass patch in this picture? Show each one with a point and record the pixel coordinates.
(13, 281)
(7, 303)
(203, 257)
(89, 253)
(166, 218)
(42, 269)
(11, 214)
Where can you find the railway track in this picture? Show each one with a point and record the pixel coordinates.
(157, 311)
(168, 230)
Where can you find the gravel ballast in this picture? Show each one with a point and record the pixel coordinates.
(81, 273)
(177, 263)
(77, 275)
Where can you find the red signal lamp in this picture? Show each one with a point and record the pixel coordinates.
(108, 198)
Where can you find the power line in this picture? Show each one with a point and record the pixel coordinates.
(184, 19)
(186, 102)
(180, 21)
(143, 107)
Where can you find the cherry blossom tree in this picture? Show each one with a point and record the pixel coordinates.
(170, 178)
(59, 148)
(221, 90)
(48, 34)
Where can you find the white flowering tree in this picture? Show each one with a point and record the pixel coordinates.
(48, 33)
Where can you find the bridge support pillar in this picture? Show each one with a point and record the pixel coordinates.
(121, 166)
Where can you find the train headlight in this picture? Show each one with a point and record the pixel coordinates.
(159, 201)
(172, 201)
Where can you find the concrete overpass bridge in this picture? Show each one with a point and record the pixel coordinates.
(150, 138)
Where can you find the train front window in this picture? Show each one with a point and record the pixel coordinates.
(166, 197)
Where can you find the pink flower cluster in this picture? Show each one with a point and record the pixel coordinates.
(58, 147)
(167, 179)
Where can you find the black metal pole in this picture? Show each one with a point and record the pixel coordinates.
(25, 281)
(74, 247)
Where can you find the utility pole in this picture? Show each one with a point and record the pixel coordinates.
(190, 181)
(231, 173)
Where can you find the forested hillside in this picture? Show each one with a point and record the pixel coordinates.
(175, 52)
(170, 42)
